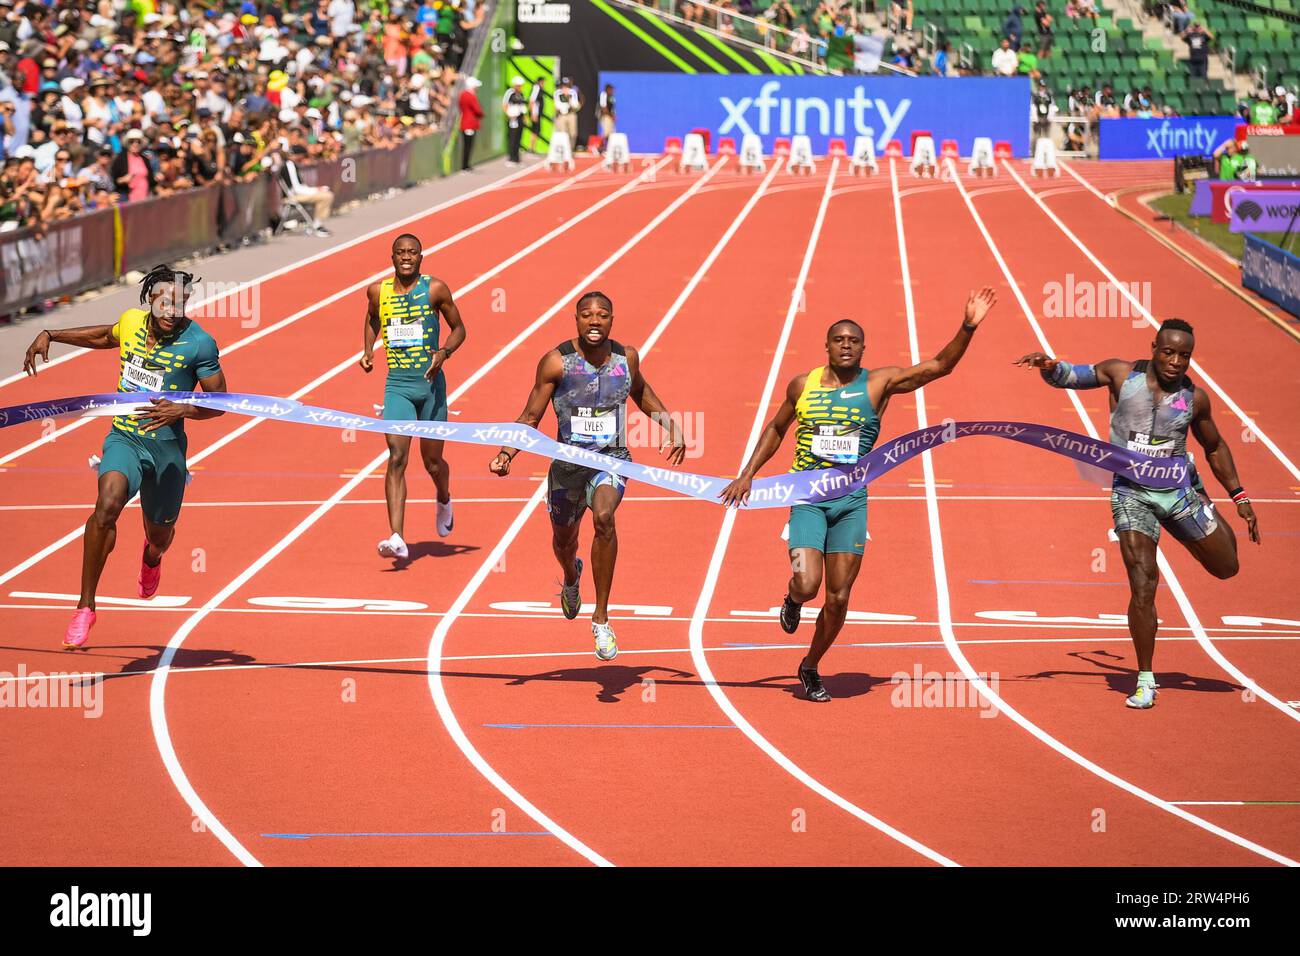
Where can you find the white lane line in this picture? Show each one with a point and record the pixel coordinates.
(318, 304)
(941, 572)
(158, 686)
(719, 554)
(1166, 569)
(324, 253)
(530, 655)
(1151, 320)
(439, 637)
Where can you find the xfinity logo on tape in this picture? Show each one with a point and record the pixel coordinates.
(75, 908)
(789, 115)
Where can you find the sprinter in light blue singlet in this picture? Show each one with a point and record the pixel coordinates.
(1153, 407)
(837, 408)
(587, 381)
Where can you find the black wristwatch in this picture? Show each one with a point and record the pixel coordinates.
(968, 327)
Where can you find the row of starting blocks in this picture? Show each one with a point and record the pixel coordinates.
(797, 151)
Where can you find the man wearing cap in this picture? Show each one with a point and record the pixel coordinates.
(74, 91)
(568, 101)
(514, 105)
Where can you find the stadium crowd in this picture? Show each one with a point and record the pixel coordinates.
(111, 101)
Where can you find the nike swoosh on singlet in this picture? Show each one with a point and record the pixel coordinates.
(852, 394)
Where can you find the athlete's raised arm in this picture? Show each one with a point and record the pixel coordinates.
(86, 337)
(1108, 373)
(550, 371)
(370, 327)
(1219, 456)
(737, 493)
(650, 404)
(901, 380)
(440, 296)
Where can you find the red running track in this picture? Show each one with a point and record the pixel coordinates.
(298, 720)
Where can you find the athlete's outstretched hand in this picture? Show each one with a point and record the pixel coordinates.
(674, 446)
(1247, 514)
(367, 362)
(736, 493)
(500, 465)
(1037, 360)
(979, 304)
(40, 346)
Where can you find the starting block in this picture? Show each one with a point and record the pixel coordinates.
(692, 153)
(801, 156)
(726, 146)
(1002, 150)
(948, 149)
(781, 147)
(560, 152)
(864, 155)
(672, 146)
(751, 153)
(981, 157)
(594, 143)
(837, 148)
(617, 154)
(894, 149)
(1045, 158)
(923, 160)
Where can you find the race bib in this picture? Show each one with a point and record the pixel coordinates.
(405, 336)
(139, 378)
(829, 444)
(594, 426)
(1157, 446)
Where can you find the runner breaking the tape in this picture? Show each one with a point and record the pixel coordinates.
(1153, 406)
(836, 410)
(161, 350)
(404, 310)
(588, 381)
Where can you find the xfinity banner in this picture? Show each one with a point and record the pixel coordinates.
(654, 106)
(1165, 138)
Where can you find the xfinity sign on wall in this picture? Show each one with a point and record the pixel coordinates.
(654, 106)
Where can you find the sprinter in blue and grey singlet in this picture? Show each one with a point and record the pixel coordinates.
(1153, 406)
(405, 310)
(837, 408)
(588, 381)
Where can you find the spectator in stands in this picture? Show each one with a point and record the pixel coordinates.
(1198, 40)
(1013, 27)
(1261, 111)
(1005, 60)
(320, 197)
(471, 118)
(98, 174)
(900, 15)
(1046, 30)
(131, 170)
(1285, 101)
(1180, 17)
(939, 66)
(1028, 65)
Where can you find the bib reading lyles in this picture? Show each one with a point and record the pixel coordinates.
(593, 426)
(406, 335)
(835, 443)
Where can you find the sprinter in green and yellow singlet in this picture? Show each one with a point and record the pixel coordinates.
(837, 408)
(405, 311)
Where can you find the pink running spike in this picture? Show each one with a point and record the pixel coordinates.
(149, 577)
(79, 628)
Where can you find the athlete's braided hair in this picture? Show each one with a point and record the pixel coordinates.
(162, 273)
(595, 294)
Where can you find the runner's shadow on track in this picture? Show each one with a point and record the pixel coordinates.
(429, 549)
(1121, 680)
(611, 681)
(847, 684)
(135, 666)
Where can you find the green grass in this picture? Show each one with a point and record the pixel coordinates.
(1177, 205)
